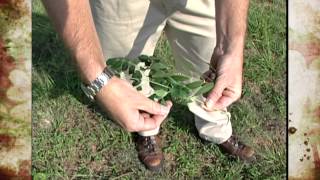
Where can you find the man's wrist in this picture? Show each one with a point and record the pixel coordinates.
(90, 70)
(94, 87)
(232, 47)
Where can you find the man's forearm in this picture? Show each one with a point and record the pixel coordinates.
(231, 22)
(73, 21)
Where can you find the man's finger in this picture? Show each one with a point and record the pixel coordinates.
(153, 107)
(214, 95)
(160, 118)
(223, 103)
(153, 121)
(145, 115)
(226, 99)
(147, 124)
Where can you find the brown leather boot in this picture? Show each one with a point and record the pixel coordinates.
(236, 148)
(149, 152)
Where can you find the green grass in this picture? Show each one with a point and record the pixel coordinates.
(72, 138)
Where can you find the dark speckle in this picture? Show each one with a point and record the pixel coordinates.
(306, 143)
(292, 130)
(308, 150)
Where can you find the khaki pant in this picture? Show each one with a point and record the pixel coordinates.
(128, 28)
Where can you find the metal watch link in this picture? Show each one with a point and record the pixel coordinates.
(95, 86)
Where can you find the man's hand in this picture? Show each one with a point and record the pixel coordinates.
(131, 109)
(227, 59)
(228, 82)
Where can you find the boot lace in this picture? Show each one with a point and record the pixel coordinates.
(150, 144)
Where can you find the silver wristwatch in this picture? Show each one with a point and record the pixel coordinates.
(95, 86)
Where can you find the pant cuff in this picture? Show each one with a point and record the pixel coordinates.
(150, 132)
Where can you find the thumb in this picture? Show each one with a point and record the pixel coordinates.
(214, 95)
(153, 107)
(152, 122)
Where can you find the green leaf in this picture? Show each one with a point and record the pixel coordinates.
(131, 69)
(154, 97)
(195, 84)
(205, 88)
(179, 91)
(158, 66)
(154, 59)
(179, 95)
(136, 82)
(115, 64)
(145, 59)
(158, 86)
(160, 74)
(134, 61)
(137, 75)
(112, 61)
(179, 77)
(125, 66)
(161, 93)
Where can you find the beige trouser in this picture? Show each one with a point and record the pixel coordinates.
(128, 28)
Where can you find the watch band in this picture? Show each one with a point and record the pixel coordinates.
(95, 86)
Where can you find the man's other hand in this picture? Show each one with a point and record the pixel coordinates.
(228, 82)
(133, 111)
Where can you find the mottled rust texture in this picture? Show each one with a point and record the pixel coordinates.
(304, 50)
(7, 64)
(310, 50)
(14, 18)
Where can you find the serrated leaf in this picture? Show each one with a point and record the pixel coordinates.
(205, 88)
(195, 84)
(179, 77)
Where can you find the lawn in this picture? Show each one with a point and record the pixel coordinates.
(73, 138)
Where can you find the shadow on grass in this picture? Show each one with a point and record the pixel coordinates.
(50, 57)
